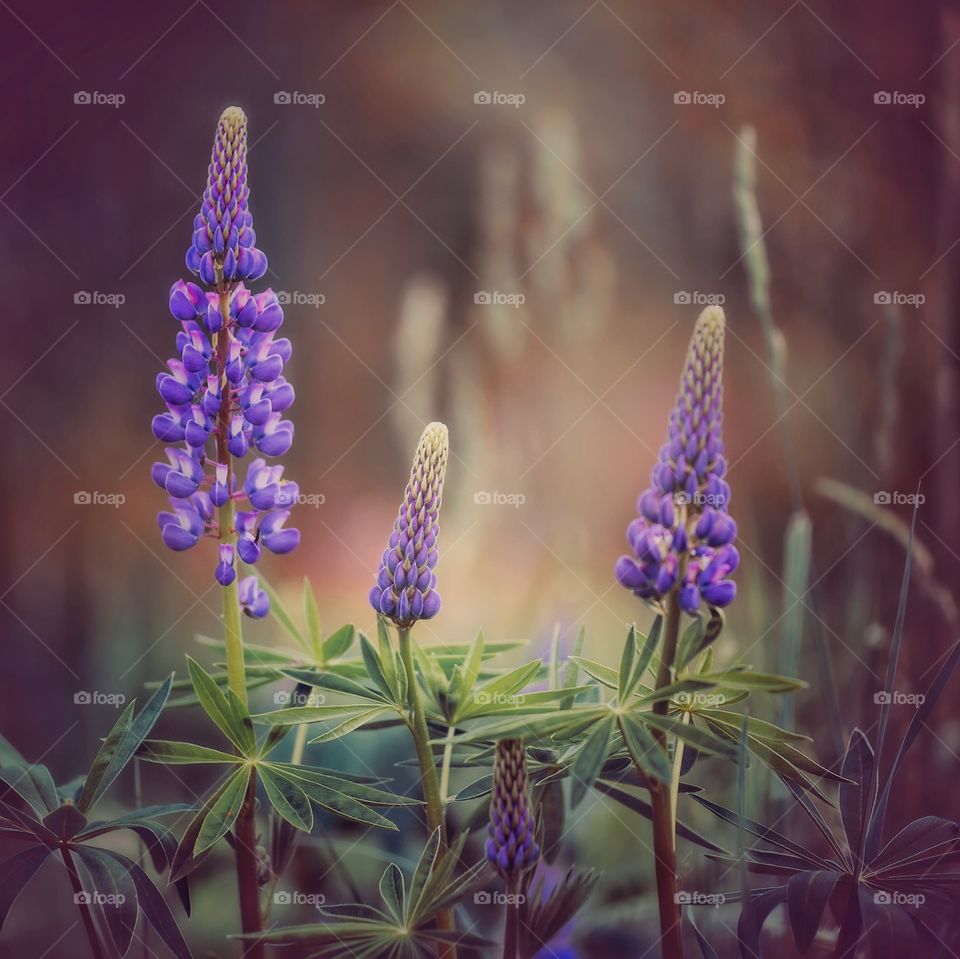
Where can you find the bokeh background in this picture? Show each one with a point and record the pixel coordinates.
(599, 213)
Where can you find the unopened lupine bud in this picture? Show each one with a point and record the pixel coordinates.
(225, 391)
(405, 590)
(223, 246)
(683, 535)
(512, 847)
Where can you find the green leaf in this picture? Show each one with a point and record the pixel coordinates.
(120, 745)
(114, 884)
(644, 749)
(34, 785)
(336, 644)
(328, 679)
(174, 753)
(226, 711)
(690, 642)
(466, 675)
(355, 722)
(287, 798)
(338, 802)
(65, 821)
(155, 908)
(283, 617)
(393, 892)
(224, 811)
(602, 674)
(371, 660)
(747, 679)
(701, 739)
(590, 759)
(296, 715)
(15, 873)
(348, 787)
(646, 651)
(626, 664)
(311, 615)
(186, 859)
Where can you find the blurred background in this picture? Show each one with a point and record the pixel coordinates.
(505, 217)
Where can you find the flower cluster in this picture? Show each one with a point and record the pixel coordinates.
(512, 848)
(225, 389)
(683, 535)
(405, 590)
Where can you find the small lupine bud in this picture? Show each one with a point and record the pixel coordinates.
(512, 848)
(683, 533)
(405, 590)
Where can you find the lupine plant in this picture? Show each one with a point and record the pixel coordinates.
(528, 742)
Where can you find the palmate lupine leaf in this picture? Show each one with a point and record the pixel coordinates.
(122, 889)
(291, 790)
(404, 927)
(889, 900)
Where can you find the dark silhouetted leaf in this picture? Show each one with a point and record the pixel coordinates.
(807, 895)
(855, 796)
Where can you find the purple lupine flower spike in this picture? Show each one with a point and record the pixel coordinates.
(223, 244)
(512, 848)
(225, 391)
(405, 590)
(683, 535)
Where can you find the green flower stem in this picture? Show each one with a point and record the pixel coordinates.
(664, 821)
(96, 946)
(245, 831)
(299, 744)
(232, 628)
(417, 723)
(511, 928)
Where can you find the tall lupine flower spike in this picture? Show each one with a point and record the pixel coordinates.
(405, 590)
(512, 848)
(683, 535)
(225, 392)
